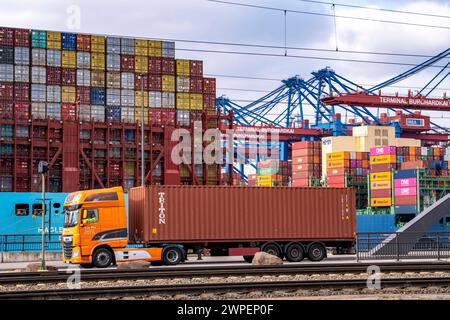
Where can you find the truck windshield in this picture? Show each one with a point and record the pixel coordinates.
(70, 218)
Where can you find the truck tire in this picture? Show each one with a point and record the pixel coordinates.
(316, 252)
(273, 249)
(248, 259)
(172, 256)
(295, 252)
(102, 258)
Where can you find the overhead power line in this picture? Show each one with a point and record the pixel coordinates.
(327, 15)
(377, 9)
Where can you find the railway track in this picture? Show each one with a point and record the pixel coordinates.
(209, 271)
(218, 288)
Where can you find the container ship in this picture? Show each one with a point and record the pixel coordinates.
(75, 101)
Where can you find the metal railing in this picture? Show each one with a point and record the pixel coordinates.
(398, 246)
(29, 242)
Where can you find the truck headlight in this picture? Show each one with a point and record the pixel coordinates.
(76, 253)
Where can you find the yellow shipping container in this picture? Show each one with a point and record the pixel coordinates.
(141, 47)
(97, 61)
(137, 115)
(380, 176)
(68, 94)
(138, 99)
(337, 164)
(380, 202)
(98, 44)
(183, 67)
(382, 184)
(384, 159)
(168, 83)
(69, 59)
(405, 142)
(54, 40)
(212, 170)
(268, 178)
(141, 64)
(338, 155)
(196, 101)
(154, 48)
(183, 101)
(130, 169)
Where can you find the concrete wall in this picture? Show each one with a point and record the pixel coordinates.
(28, 256)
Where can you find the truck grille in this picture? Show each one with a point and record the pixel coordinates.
(67, 248)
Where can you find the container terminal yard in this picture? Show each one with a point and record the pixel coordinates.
(123, 158)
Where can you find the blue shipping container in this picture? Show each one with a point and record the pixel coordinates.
(405, 174)
(98, 96)
(113, 113)
(405, 209)
(38, 39)
(375, 223)
(69, 41)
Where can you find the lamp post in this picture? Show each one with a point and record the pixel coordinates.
(142, 130)
(42, 169)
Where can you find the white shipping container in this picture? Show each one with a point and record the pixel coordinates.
(113, 97)
(183, 84)
(83, 77)
(84, 113)
(54, 58)
(6, 72)
(113, 62)
(127, 46)
(83, 60)
(155, 99)
(38, 110)
(54, 95)
(168, 100)
(54, 110)
(127, 114)
(423, 151)
(168, 49)
(38, 93)
(98, 113)
(39, 75)
(22, 55)
(127, 80)
(127, 98)
(38, 57)
(22, 73)
(183, 117)
(112, 45)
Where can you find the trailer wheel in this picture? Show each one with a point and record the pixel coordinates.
(172, 256)
(273, 249)
(316, 252)
(295, 252)
(102, 258)
(248, 259)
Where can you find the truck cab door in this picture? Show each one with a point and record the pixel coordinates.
(90, 227)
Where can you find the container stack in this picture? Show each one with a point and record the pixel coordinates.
(306, 163)
(273, 173)
(405, 192)
(382, 162)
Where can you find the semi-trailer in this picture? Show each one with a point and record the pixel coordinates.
(165, 222)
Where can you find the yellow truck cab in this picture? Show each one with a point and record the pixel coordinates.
(95, 230)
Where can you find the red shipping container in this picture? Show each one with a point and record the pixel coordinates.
(68, 112)
(300, 183)
(297, 153)
(6, 91)
(83, 42)
(196, 85)
(300, 214)
(382, 167)
(54, 75)
(21, 38)
(168, 117)
(127, 63)
(21, 92)
(209, 86)
(209, 101)
(154, 83)
(6, 36)
(337, 171)
(84, 93)
(68, 76)
(405, 200)
(380, 193)
(137, 81)
(6, 110)
(303, 167)
(333, 180)
(196, 68)
(21, 111)
(413, 165)
(168, 66)
(303, 145)
(154, 116)
(154, 65)
(302, 174)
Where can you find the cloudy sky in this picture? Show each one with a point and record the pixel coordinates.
(210, 21)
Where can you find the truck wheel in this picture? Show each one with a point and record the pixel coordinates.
(273, 249)
(248, 259)
(295, 252)
(102, 258)
(172, 256)
(316, 252)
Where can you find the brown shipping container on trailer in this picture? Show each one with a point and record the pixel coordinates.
(182, 214)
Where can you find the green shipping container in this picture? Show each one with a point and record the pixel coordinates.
(38, 39)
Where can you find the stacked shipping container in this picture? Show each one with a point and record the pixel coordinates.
(306, 163)
(382, 162)
(273, 173)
